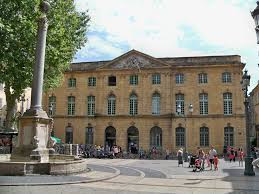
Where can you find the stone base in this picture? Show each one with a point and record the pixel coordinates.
(249, 168)
(57, 166)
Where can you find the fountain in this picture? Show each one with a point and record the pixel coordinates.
(34, 153)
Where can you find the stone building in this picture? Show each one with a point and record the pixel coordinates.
(254, 100)
(162, 102)
(21, 105)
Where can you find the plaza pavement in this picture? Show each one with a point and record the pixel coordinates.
(137, 176)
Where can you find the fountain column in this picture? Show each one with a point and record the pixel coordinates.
(34, 131)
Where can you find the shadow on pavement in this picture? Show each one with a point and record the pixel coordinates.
(241, 183)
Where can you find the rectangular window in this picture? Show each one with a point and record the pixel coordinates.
(112, 81)
(203, 78)
(228, 136)
(92, 81)
(203, 104)
(71, 106)
(227, 98)
(179, 103)
(226, 77)
(180, 137)
(133, 105)
(156, 79)
(204, 137)
(111, 105)
(133, 80)
(90, 105)
(72, 82)
(179, 78)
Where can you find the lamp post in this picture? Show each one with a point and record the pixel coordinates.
(249, 169)
(255, 15)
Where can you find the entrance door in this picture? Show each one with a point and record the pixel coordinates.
(133, 140)
(110, 136)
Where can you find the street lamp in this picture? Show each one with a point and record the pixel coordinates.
(249, 169)
(255, 15)
(190, 108)
(178, 109)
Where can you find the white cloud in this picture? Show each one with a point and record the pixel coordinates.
(155, 26)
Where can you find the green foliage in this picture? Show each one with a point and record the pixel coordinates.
(18, 29)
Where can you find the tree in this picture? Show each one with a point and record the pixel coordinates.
(18, 29)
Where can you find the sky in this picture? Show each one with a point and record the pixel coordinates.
(171, 28)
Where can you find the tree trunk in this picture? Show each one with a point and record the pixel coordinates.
(10, 108)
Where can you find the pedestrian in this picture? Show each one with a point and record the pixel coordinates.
(207, 159)
(201, 156)
(215, 162)
(240, 157)
(167, 152)
(212, 153)
(180, 156)
(232, 155)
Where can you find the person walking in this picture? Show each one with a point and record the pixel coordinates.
(201, 156)
(180, 156)
(240, 157)
(212, 153)
(215, 162)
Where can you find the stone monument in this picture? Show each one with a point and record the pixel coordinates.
(34, 132)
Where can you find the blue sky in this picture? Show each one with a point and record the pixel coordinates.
(171, 28)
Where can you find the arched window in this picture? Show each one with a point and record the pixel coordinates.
(156, 137)
(179, 100)
(90, 105)
(156, 104)
(180, 136)
(71, 105)
(133, 105)
(228, 136)
(52, 105)
(89, 136)
(203, 103)
(204, 136)
(111, 105)
(69, 135)
(227, 103)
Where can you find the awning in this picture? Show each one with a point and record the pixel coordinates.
(57, 140)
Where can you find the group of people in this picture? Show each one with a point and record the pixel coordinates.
(232, 154)
(200, 157)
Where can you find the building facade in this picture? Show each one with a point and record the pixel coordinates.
(153, 102)
(21, 105)
(254, 101)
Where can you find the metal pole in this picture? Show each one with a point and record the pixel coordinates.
(38, 71)
(249, 169)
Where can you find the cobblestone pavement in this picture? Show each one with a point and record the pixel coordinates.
(146, 176)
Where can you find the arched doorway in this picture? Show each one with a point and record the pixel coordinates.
(133, 140)
(156, 137)
(110, 136)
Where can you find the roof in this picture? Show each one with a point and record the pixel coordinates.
(167, 61)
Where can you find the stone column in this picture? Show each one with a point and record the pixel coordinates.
(35, 125)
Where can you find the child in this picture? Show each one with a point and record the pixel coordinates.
(215, 161)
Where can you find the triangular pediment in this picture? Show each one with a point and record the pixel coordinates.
(134, 60)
